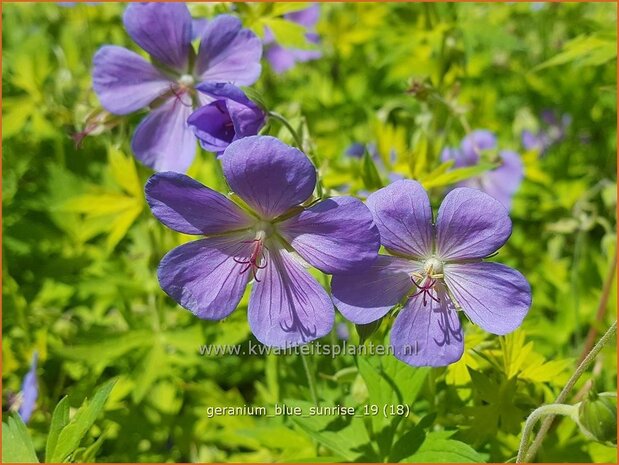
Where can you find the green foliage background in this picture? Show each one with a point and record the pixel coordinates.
(80, 249)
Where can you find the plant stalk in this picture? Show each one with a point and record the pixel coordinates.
(310, 381)
(561, 398)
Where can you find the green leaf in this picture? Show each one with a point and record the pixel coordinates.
(149, 371)
(280, 9)
(389, 383)
(366, 331)
(345, 436)
(16, 443)
(437, 448)
(71, 435)
(369, 173)
(122, 168)
(593, 50)
(454, 176)
(60, 419)
(407, 444)
(287, 33)
(255, 96)
(16, 112)
(103, 349)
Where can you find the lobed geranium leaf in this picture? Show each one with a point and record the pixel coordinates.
(16, 443)
(439, 448)
(60, 419)
(72, 434)
(454, 176)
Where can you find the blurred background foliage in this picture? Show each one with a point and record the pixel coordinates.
(80, 249)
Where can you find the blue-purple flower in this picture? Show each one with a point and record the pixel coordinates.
(230, 116)
(126, 82)
(29, 391)
(281, 58)
(267, 240)
(501, 182)
(342, 332)
(552, 132)
(435, 270)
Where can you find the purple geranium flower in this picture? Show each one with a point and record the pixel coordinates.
(501, 182)
(126, 82)
(262, 240)
(553, 132)
(355, 150)
(229, 117)
(436, 269)
(342, 332)
(281, 58)
(29, 390)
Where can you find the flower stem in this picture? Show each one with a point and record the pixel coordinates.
(544, 410)
(537, 442)
(601, 310)
(291, 130)
(299, 142)
(310, 380)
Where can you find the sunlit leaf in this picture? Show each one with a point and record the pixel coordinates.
(16, 443)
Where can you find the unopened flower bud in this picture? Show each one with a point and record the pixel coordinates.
(597, 417)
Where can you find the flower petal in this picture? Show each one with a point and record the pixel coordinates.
(204, 277)
(307, 17)
(403, 216)
(531, 141)
(163, 30)
(269, 175)
(282, 59)
(198, 26)
(124, 81)
(470, 224)
(288, 307)
(494, 296)
(474, 143)
(187, 206)
(367, 295)
(502, 182)
(229, 117)
(163, 141)
(229, 53)
(29, 390)
(428, 335)
(213, 126)
(335, 235)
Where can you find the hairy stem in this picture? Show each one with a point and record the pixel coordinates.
(299, 142)
(291, 130)
(547, 423)
(544, 410)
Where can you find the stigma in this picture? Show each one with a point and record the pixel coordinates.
(426, 281)
(257, 259)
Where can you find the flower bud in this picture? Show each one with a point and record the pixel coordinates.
(597, 417)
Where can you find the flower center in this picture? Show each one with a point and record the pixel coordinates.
(256, 259)
(186, 80)
(426, 281)
(264, 229)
